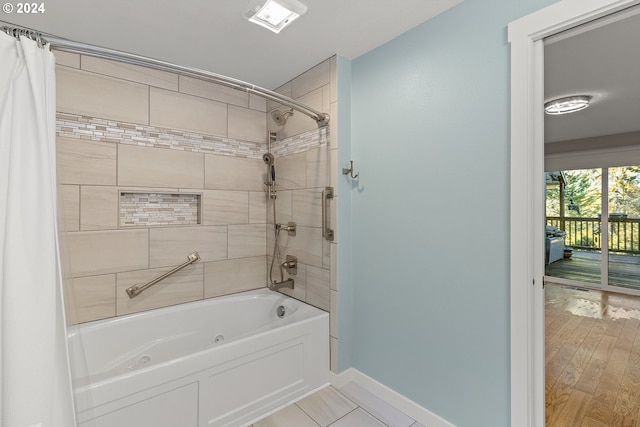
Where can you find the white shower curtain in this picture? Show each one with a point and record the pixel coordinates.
(35, 385)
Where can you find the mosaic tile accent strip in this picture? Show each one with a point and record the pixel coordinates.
(303, 142)
(104, 130)
(152, 209)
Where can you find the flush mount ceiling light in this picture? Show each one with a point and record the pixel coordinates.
(274, 14)
(569, 104)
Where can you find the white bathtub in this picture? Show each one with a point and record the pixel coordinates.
(218, 362)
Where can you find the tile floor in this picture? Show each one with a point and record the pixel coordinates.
(349, 406)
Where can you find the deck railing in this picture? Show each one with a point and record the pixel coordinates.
(585, 233)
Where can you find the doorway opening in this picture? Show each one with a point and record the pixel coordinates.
(591, 227)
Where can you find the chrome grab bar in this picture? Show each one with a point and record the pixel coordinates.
(136, 290)
(327, 194)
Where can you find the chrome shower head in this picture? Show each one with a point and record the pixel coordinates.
(268, 158)
(281, 117)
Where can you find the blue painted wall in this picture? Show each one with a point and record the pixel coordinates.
(345, 238)
(429, 315)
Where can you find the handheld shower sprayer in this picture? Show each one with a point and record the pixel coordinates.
(271, 171)
(270, 160)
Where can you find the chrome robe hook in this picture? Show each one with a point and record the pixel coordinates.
(349, 171)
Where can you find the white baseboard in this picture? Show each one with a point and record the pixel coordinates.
(406, 405)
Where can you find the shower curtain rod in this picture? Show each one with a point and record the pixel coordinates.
(70, 46)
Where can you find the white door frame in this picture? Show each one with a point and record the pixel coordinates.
(527, 196)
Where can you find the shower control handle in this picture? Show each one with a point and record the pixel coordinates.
(291, 265)
(290, 228)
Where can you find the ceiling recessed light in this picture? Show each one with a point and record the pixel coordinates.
(569, 104)
(274, 14)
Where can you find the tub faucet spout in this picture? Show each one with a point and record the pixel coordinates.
(279, 285)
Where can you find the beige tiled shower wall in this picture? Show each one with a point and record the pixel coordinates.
(123, 128)
(306, 163)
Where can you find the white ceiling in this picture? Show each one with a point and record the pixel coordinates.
(600, 59)
(212, 35)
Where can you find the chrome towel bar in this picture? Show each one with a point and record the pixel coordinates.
(136, 290)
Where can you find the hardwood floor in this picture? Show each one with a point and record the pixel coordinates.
(592, 358)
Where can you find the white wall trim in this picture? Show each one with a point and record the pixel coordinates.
(527, 196)
(404, 404)
(341, 379)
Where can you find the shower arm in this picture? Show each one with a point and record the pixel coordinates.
(70, 46)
